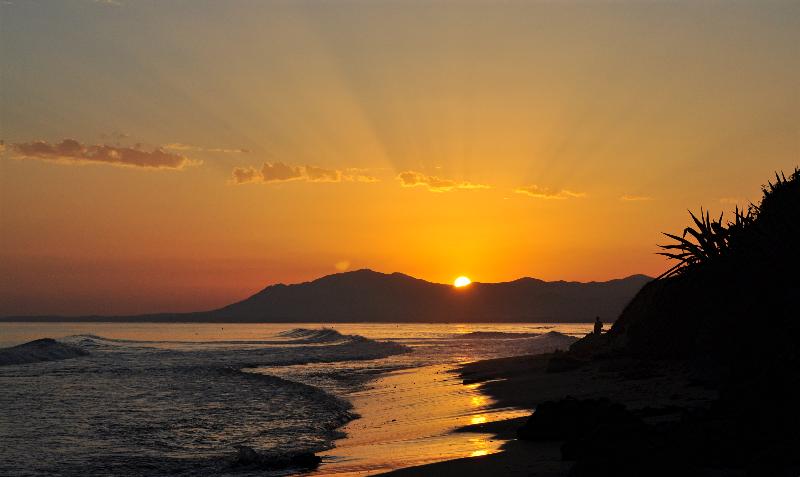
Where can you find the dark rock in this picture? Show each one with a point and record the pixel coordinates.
(249, 457)
(246, 456)
(591, 345)
(572, 418)
(306, 460)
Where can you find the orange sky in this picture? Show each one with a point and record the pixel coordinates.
(215, 148)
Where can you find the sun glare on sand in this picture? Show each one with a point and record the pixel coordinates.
(461, 282)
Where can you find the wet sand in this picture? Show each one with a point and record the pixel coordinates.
(406, 420)
(523, 382)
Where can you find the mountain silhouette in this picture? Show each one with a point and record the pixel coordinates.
(370, 296)
(366, 295)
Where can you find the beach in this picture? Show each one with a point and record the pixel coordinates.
(364, 398)
(523, 382)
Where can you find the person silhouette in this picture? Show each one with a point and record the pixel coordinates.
(598, 326)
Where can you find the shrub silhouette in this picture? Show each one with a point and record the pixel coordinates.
(733, 292)
(757, 233)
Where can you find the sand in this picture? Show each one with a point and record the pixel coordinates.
(404, 416)
(524, 382)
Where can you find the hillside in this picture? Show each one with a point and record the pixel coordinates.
(369, 296)
(366, 295)
(728, 313)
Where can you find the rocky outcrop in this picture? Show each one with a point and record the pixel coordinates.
(570, 419)
(249, 457)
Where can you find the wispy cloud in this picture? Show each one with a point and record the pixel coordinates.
(177, 146)
(539, 192)
(435, 184)
(275, 172)
(635, 198)
(70, 151)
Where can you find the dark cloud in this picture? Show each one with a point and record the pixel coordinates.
(70, 151)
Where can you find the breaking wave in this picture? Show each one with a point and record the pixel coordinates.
(492, 335)
(172, 407)
(306, 335)
(45, 349)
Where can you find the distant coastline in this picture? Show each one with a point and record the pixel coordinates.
(367, 296)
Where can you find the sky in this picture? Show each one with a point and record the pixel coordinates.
(182, 155)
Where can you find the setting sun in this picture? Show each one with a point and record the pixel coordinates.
(461, 281)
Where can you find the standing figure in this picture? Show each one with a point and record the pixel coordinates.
(598, 326)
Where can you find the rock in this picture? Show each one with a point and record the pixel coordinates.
(246, 456)
(306, 460)
(249, 457)
(572, 418)
(591, 345)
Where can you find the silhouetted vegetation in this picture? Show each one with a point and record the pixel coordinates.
(751, 234)
(731, 277)
(729, 310)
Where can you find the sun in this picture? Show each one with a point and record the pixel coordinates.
(461, 281)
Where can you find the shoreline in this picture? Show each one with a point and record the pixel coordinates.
(412, 417)
(524, 382)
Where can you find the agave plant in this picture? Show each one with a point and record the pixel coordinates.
(707, 242)
(757, 233)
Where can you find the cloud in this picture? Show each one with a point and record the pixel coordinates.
(635, 198)
(275, 172)
(433, 183)
(547, 193)
(70, 151)
(177, 146)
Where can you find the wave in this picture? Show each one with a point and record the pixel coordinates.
(45, 349)
(93, 341)
(320, 335)
(493, 335)
(549, 342)
(295, 336)
(295, 346)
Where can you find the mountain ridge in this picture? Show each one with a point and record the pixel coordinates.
(366, 295)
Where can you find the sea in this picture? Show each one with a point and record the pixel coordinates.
(155, 399)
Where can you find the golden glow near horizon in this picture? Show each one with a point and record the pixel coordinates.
(232, 145)
(461, 281)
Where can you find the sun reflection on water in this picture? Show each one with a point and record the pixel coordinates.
(479, 401)
(479, 419)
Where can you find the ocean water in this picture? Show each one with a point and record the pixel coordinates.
(177, 399)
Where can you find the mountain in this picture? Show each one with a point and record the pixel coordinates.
(369, 296)
(366, 295)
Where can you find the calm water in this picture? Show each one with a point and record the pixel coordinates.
(156, 399)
